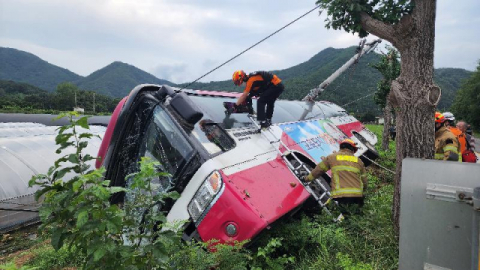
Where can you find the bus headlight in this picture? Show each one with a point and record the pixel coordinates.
(205, 195)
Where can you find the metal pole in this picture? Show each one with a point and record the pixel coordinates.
(364, 49)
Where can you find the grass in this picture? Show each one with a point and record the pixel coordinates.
(364, 241)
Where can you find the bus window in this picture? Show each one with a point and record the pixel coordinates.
(213, 138)
(165, 144)
(212, 108)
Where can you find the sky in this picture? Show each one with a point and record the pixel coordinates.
(180, 40)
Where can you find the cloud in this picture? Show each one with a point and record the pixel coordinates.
(171, 72)
(189, 38)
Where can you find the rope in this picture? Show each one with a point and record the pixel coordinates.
(229, 60)
(376, 163)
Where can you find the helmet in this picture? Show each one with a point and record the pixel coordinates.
(238, 77)
(439, 118)
(351, 143)
(449, 116)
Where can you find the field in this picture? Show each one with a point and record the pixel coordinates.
(306, 241)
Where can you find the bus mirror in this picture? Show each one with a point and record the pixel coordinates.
(164, 91)
(185, 107)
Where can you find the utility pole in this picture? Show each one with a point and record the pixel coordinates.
(361, 50)
(93, 102)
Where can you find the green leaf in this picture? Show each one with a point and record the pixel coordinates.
(98, 254)
(73, 158)
(76, 185)
(82, 122)
(82, 218)
(57, 239)
(85, 135)
(117, 189)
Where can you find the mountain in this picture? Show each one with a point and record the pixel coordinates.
(350, 89)
(118, 79)
(25, 67)
(449, 80)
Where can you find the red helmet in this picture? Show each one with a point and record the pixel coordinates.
(238, 77)
(351, 143)
(439, 118)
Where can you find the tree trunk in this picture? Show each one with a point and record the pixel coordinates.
(414, 93)
(387, 116)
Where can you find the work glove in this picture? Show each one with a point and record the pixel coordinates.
(231, 109)
(304, 176)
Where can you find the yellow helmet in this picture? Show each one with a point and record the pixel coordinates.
(439, 117)
(238, 77)
(351, 143)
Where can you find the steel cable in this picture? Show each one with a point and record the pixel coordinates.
(229, 60)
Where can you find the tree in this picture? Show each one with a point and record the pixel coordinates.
(466, 104)
(389, 66)
(410, 26)
(64, 98)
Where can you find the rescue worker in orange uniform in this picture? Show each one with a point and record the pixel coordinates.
(446, 144)
(450, 123)
(263, 84)
(349, 178)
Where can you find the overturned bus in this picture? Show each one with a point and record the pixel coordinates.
(233, 182)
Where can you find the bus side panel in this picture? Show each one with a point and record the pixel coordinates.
(108, 133)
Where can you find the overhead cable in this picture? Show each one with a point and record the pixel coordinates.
(229, 60)
(358, 99)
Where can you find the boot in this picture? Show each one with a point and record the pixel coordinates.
(264, 124)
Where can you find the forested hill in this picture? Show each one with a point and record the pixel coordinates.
(357, 82)
(118, 79)
(449, 80)
(25, 67)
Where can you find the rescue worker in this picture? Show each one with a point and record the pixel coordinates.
(263, 84)
(450, 123)
(349, 178)
(446, 144)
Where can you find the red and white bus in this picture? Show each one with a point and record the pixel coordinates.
(233, 182)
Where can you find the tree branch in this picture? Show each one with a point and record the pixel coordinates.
(382, 30)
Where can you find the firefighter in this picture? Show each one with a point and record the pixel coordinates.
(349, 179)
(263, 84)
(446, 144)
(450, 123)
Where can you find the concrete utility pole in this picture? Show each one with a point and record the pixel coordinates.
(362, 49)
(93, 102)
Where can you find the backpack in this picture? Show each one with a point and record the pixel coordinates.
(468, 155)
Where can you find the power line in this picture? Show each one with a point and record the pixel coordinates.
(358, 99)
(229, 60)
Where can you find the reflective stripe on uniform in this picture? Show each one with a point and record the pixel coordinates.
(350, 191)
(347, 158)
(439, 156)
(338, 190)
(450, 148)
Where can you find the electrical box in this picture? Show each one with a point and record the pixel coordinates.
(439, 215)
